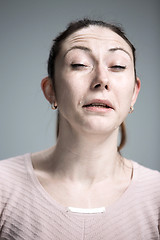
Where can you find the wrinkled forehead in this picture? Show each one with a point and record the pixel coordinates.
(94, 35)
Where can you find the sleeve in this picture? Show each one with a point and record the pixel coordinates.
(1, 195)
(4, 192)
(1, 203)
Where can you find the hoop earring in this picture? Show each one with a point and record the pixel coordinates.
(53, 106)
(131, 109)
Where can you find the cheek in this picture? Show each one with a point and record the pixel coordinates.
(73, 82)
(67, 92)
(124, 93)
(126, 100)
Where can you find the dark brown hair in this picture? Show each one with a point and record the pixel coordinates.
(73, 27)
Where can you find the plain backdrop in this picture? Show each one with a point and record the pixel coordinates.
(27, 123)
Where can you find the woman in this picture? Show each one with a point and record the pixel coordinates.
(82, 188)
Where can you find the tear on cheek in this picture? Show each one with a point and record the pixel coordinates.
(81, 101)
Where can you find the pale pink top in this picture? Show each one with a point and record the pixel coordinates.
(28, 212)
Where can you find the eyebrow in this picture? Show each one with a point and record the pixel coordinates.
(78, 47)
(119, 49)
(89, 50)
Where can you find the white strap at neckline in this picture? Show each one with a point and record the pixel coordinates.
(87, 210)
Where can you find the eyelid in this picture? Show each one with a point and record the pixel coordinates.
(86, 68)
(76, 65)
(118, 66)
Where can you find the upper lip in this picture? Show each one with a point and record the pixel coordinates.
(100, 101)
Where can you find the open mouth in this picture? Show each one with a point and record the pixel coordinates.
(99, 105)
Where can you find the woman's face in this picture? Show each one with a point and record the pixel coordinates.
(94, 80)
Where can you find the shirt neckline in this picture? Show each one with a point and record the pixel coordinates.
(53, 202)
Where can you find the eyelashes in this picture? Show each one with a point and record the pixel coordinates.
(118, 68)
(114, 68)
(77, 66)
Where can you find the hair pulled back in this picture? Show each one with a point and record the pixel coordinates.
(72, 28)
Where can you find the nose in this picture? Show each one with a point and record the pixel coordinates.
(100, 78)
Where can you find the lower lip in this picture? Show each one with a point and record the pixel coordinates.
(98, 109)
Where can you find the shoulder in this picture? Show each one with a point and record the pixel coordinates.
(14, 179)
(145, 173)
(13, 172)
(13, 165)
(147, 181)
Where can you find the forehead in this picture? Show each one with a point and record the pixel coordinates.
(94, 36)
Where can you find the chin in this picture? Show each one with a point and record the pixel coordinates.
(98, 128)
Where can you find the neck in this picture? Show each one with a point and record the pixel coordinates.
(85, 157)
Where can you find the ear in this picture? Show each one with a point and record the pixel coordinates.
(48, 91)
(136, 91)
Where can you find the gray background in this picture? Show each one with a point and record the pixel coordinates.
(27, 124)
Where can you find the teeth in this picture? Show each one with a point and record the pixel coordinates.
(99, 105)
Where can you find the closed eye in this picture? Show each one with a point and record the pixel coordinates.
(77, 65)
(117, 68)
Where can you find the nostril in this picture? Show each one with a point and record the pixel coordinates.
(106, 87)
(97, 85)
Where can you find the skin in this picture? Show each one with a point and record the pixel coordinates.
(85, 159)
